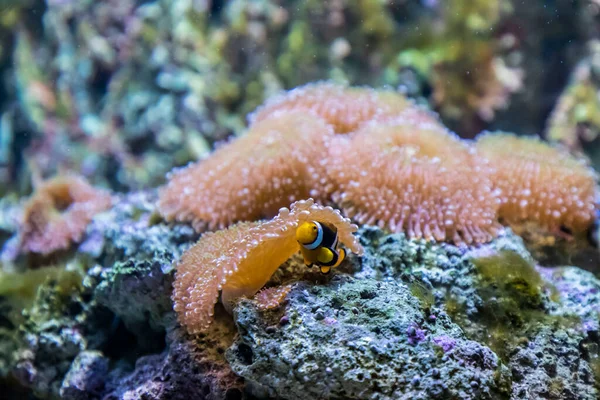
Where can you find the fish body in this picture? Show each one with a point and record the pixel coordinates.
(319, 245)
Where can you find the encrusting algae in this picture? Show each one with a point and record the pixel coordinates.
(239, 261)
(58, 213)
(540, 183)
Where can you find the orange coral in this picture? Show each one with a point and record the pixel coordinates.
(540, 183)
(414, 176)
(241, 259)
(280, 160)
(270, 298)
(346, 108)
(58, 213)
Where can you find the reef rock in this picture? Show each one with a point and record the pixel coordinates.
(420, 320)
(359, 339)
(407, 319)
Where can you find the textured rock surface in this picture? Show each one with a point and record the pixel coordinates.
(520, 319)
(97, 326)
(86, 377)
(186, 370)
(359, 339)
(409, 319)
(552, 365)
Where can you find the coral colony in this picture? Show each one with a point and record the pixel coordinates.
(390, 164)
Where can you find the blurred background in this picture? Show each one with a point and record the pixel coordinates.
(123, 90)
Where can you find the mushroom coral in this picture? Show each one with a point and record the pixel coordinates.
(415, 177)
(540, 183)
(239, 261)
(58, 213)
(281, 159)
(346, 108)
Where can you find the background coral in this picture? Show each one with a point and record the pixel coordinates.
(575, 120)
(541, 183)
(59, 212)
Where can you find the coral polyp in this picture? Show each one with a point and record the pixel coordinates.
(417, 179)
(540, 183)
(270, 298)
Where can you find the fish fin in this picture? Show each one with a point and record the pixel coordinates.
(341, 257)
(325, 269)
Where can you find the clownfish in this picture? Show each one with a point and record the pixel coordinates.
(319, 245)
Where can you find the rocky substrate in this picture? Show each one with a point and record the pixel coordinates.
(407, 320)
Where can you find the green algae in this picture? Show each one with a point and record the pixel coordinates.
(423, 293)
(20, 289)
(511, 273)
(459, 58)
(513, 304)
(25, 284)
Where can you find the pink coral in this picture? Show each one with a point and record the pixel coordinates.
(58, 213)
(270, 298)
(415, 177)
(345, 108)
(280, 160)
(540, 183)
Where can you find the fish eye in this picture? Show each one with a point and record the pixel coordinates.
(314, 228)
